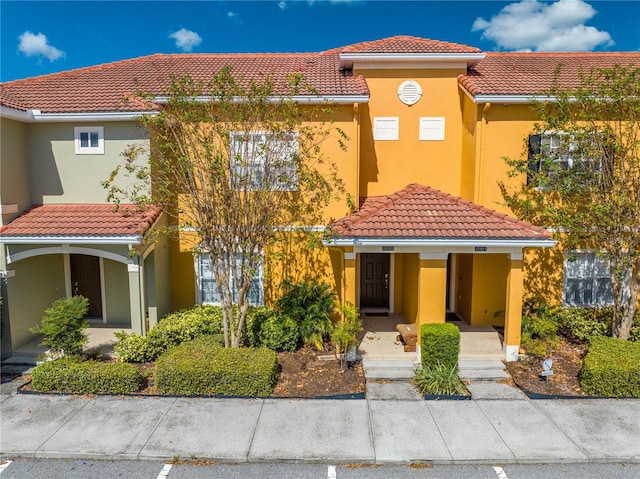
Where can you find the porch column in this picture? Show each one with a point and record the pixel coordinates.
(513, 309)
(135, 297)
(432, 288)
(350, 277)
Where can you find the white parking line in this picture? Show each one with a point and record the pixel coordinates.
(165, 472)
(4, 465)
(500, 472)
(331, 472)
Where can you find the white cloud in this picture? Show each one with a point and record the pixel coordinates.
(186, 39)
(282, 5)
(548, 27)
(235, 17)
(38, 45)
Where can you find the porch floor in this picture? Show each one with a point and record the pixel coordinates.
(100, 336)
(378, 340)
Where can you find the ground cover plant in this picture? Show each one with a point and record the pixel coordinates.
(577, 330)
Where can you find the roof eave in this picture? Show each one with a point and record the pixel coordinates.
(443, 242)
(33, 116)
(73, 239)
(348, 59)
(309, 99)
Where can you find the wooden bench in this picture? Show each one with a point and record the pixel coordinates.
(408, 335)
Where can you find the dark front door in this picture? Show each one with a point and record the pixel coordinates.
(85, 281)
(374, 280)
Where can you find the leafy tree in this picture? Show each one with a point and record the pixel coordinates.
(586, 184)
(237, 163)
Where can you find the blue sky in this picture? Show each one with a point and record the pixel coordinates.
(38, 38)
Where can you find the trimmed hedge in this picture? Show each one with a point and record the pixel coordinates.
(71, 375)
(202, 367)
(173, 329)
(439, 344)
(611, 368)
(582, 324)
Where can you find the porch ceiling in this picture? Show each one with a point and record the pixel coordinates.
(86, 223)
(422, 214)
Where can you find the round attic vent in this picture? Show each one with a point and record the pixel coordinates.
(409, 92)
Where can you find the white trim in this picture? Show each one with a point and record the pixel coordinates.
(148, 251)
(511, 353)
(8, 209)
(428, 255)
(31, 116)
(542, 243)
(349, 255)
(88, 150)
(8, 273)
(337, 99)
(12, 258)
(133, 268)
(103, 291)
(113, 240)
(516, 256)
(416, 60)
(423, 65)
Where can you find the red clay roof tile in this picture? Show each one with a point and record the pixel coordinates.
(80, 220)
(421, 212)
(533, 73)
(407, 44)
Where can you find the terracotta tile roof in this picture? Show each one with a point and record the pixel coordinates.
(80, 220)
(406, 44)
(420, 212)
(533, 73)
(103, 88)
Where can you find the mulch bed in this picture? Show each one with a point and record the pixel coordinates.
(302, 374)
(567, 362)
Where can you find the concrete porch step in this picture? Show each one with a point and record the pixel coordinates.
(482, 374)
(480, 364)
(388, 370)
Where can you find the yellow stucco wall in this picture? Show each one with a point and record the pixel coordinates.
(411, 267)
(388, 166)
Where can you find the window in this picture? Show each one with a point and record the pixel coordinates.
(431, 128)
(265, 160)
(208, 290)
(89, 140)
(562, 152)
(386, 128)
(586, 280)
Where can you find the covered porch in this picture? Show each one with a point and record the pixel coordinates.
(423, 254)
(55, 251)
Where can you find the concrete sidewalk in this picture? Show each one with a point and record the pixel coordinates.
(339, 431)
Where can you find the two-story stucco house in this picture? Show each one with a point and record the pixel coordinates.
(429, 124)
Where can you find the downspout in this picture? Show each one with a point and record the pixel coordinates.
(480, 163)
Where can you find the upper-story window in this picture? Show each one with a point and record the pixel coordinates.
(265, 161)
(89, 140)
(556, 152)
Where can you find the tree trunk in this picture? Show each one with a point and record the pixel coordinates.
(625, 302)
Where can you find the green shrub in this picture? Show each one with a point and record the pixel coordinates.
(173, 329)
(344, 333)
(253, 322)
(611, 368)
(279, 333)
(311, 306)
(132, 348)
(63, 325)
(202, 367)
(71, 375)
(439, 344)
(439, 380)
(582, 324)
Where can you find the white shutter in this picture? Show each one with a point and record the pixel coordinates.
(386, 128)
(431, 128)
